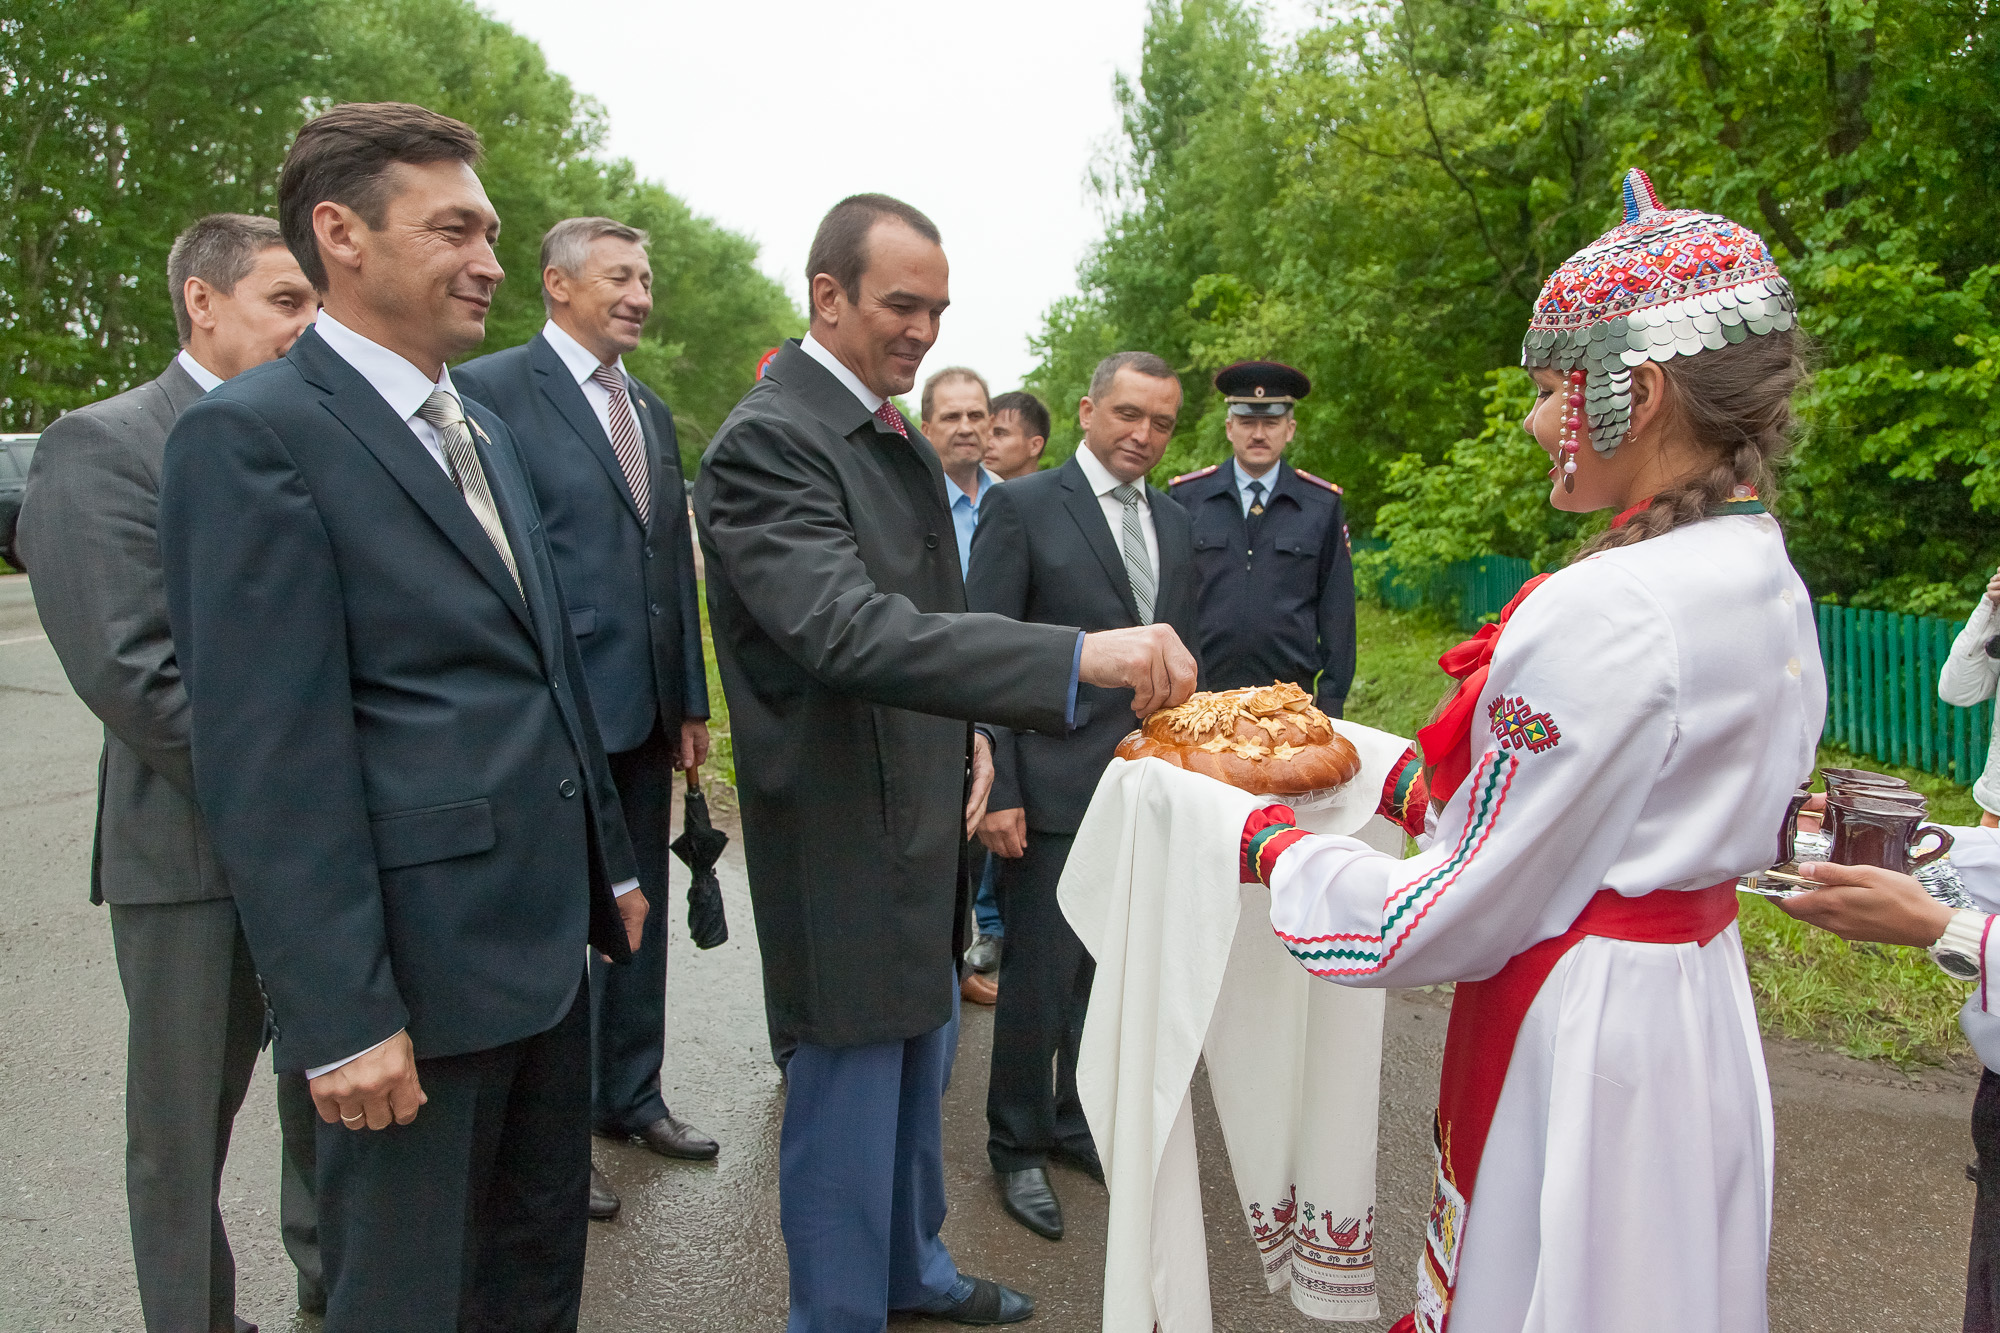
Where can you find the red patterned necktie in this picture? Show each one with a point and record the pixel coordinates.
(890, 417)
(625, 439)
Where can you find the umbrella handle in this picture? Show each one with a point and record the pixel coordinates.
(693, 784)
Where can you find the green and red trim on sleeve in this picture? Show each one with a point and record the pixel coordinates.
(1266, 835)
(1406, 795)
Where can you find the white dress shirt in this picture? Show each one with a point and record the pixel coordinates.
(1102, 483)
(813, 348)
(1243, 480)
(404, 388)
(199, 373)
(581, 362)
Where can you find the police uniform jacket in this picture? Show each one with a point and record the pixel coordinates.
(1277, 589)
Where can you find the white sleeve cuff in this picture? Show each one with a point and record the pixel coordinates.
(328, 1069)
(1966, 934)
(623, 887)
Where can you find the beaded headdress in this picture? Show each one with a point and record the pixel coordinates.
(1666, 282)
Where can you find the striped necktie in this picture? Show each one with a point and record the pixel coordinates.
(442, 411)
(1138, 565)
(625, 441)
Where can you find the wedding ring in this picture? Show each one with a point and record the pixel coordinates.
(353, 1119)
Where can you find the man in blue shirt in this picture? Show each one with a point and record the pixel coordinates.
(958, 421)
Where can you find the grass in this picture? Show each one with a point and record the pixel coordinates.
(1866, 1000)
(719, 773)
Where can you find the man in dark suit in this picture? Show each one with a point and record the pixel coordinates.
(601, 451)
(1089, 544)
(196, 1019)
(1271, 547)
(846, 654)
(393, 748)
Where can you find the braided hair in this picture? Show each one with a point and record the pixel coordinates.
(1737, 403)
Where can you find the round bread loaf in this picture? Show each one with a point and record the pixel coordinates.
(1267, 739)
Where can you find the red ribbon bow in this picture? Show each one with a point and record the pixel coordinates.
(1447, 742)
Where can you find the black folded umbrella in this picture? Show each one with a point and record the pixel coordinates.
(700, 846)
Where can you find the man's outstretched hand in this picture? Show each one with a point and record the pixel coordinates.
(1149, 660)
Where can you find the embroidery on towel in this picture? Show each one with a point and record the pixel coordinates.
(1490, 787)
(1339, 1264)
(1519, 727)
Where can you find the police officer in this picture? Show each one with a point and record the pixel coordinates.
(1271, 547)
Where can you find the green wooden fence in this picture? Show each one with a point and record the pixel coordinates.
(1881, 668)
(1881, 675)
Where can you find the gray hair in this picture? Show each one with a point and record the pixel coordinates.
(219, 249)
(566, 246)
(1145, 363)
(949, 375)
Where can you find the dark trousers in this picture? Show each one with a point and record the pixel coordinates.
(298, 1186)
(1045, 975)
(861, 1180)
(1982, 1270)
(628, 1001)
(471, 1217)
(196, 1023)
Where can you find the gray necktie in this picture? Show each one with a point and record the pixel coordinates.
(1138, 566)
(442, 410)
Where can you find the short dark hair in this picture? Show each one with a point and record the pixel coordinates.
(219, 249)
(1034, 415)
(946, 376)
(343, 156)
(840, 246)
(1145, 363)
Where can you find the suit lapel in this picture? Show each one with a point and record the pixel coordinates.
(355, 404)
(559, 386)
(1174, 555)
(1083, 506)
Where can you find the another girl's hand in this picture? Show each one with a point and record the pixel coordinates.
(1993, 588)
(1868, 903)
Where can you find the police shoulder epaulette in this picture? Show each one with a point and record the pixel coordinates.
(1196, 475)
(1304, 475)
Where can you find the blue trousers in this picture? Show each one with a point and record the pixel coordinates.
(861, 1180)
(985, 903)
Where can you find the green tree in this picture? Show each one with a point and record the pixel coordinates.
(130, 118)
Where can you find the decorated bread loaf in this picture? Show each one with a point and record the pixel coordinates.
(1269, 740)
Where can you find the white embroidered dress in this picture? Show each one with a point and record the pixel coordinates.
(1653, 709)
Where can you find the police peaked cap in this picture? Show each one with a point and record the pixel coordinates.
(1261, 388)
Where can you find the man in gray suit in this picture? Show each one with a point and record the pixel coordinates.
(196, 1014)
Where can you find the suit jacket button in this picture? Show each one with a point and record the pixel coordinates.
(930, 540)
(567, 787)
(654, 608)
(649, 552)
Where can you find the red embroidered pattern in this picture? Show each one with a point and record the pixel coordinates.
(1519, 727)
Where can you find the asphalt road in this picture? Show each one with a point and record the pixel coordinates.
(1873, 1205)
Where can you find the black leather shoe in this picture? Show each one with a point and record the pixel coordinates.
(983, 955)
(1029, 1200)
(243, 1325)
(1084, 1161)
(671, 1136)
(988, 1303)
(603, 1199)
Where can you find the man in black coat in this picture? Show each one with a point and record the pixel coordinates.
(846, 654)
(1270, 542)
(600, 449)
(393, 748)
(1089, 544)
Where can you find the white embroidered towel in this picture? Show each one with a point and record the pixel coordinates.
(1151, 890)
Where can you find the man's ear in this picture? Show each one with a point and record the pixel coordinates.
(555, 282)
(199, 298)
(828, 299)
(337, 231)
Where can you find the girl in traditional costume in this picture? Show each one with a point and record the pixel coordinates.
(1620, 750)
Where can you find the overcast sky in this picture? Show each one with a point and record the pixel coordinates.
(763, 115)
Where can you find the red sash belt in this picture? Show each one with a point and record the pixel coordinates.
(1479, 1045)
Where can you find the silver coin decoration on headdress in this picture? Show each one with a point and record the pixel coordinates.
(1666, 282)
